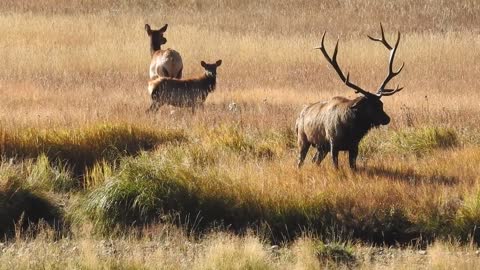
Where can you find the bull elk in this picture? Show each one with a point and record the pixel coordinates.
(165, 63)
(340, 123)
(183, 92)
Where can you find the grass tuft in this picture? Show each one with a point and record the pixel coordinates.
(51, 176)
(334, 252)
(228, 252)
(137, 194)
(467, 220)
(424, 140)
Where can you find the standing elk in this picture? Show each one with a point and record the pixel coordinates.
(165, 63)
(183, 92)
(340, 123)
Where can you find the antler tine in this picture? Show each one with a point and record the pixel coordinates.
(347, 82)
(391, 73)
(321, 43)
(333, 61)
(392, 56)
(383, 40)
(389, 92)
(335, 52)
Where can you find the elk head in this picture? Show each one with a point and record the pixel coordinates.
(369, 106)
(156, 37)
(211, 69)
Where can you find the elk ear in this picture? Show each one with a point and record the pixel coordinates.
(164, 28)
(203, 64)
(218, 63)
(148, 29)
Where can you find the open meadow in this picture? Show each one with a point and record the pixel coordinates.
(88, 180)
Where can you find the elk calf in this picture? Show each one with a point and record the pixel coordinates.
(165, 63)
(340, 124)
(183, 92)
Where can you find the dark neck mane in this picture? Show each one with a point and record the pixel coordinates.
(211, 81)
(154, 48)
(361, 127)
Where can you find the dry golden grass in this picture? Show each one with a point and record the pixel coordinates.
(74, 64)
(168, 248)
(63, 71)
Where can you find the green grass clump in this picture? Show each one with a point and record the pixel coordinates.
(467, 220)
(39, 174)
(51, 176)
(150, 188)
(418, 141)
(167, 185)
(424, 140)
(374, 143)
(138, 194)
(335, 252)
(84, 147)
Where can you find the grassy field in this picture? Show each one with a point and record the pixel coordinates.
(87, 178)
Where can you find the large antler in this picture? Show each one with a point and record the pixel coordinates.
(333, 61)
(382, 91)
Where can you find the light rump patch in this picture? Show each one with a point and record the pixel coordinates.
(164, 63)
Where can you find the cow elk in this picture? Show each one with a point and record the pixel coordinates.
(340, 123)
(183, 92)
(164, 63)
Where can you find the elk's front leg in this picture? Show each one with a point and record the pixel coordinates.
(320, 155)
(352, 157)
(154, 107)
(334, 150)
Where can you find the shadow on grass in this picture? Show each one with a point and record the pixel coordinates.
(82, 148)
(21, 210)
(146, 191)
(409, 176)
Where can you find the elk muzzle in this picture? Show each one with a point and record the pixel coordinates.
(385, 120)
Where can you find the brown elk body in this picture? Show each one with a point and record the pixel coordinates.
(164, 63)
(183, 92)
(340, 123)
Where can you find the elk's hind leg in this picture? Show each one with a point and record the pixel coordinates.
(322, 151)
(304, 145)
